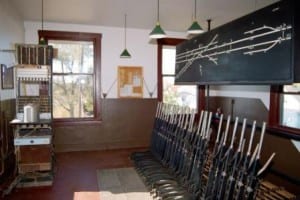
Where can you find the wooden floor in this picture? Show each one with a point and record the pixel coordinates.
(75, 177)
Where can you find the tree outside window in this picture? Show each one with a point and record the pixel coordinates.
(175, 94)
(75, 76)
(73, 79)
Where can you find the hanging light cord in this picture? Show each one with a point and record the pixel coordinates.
(195, 17)
(42, 15)
(158, 10)
(254, 5)
(125, 25)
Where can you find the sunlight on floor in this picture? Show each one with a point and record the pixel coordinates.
(83, 195)
(119, 195)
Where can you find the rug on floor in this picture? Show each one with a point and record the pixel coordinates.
(121, 184)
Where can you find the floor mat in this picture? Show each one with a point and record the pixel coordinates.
(121, 184)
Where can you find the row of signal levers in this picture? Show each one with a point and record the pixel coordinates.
(181, 163)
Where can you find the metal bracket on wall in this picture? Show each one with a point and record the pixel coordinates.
(150, 92)
(8, 50)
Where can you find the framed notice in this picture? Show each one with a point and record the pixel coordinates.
(7, 77)
(130, 82)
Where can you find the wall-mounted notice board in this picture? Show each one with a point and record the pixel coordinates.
(130, 82)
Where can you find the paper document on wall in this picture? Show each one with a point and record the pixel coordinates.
(30, 89)
(126, 90)
(136, 81)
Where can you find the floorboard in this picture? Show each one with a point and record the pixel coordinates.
(76, 176)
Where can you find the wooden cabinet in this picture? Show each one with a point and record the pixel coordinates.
(33, 147)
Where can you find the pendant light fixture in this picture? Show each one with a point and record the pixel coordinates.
(42, 40)
(157, 31)
(125, 53)
(195, 28)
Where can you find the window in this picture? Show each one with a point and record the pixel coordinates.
(284, 114)
(76, 75)
(290, 106)
(175, 94)
(165, 75)
(73, 74)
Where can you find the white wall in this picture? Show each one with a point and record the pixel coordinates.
(11, 32)
(143, 51)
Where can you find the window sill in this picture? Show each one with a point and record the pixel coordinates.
(60, 123)
(290, 133)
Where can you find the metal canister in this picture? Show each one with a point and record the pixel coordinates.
(31, 113)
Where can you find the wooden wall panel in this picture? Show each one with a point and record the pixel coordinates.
(241, 107)
(126, 123)
(7, 157)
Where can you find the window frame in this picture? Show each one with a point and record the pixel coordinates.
(173, 42)
(274, 114)
(80, 36)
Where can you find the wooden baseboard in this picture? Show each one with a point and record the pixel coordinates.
(97, 147)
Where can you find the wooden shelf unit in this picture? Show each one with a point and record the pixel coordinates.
(33, 137)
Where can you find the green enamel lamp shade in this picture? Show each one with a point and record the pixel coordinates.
(125, 54)
(42, 41)
(195, 28)
(157, 32)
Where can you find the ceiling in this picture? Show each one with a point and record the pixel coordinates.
(175, 15)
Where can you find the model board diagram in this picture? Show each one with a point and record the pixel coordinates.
(247, 50)
(213, 48)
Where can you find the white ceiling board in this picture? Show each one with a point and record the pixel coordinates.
(175, 15)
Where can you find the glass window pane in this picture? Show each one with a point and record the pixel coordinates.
(183, 95)
(292, 88)
(168, 62)
(290, 111)
(73, 96)
(73, 56)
